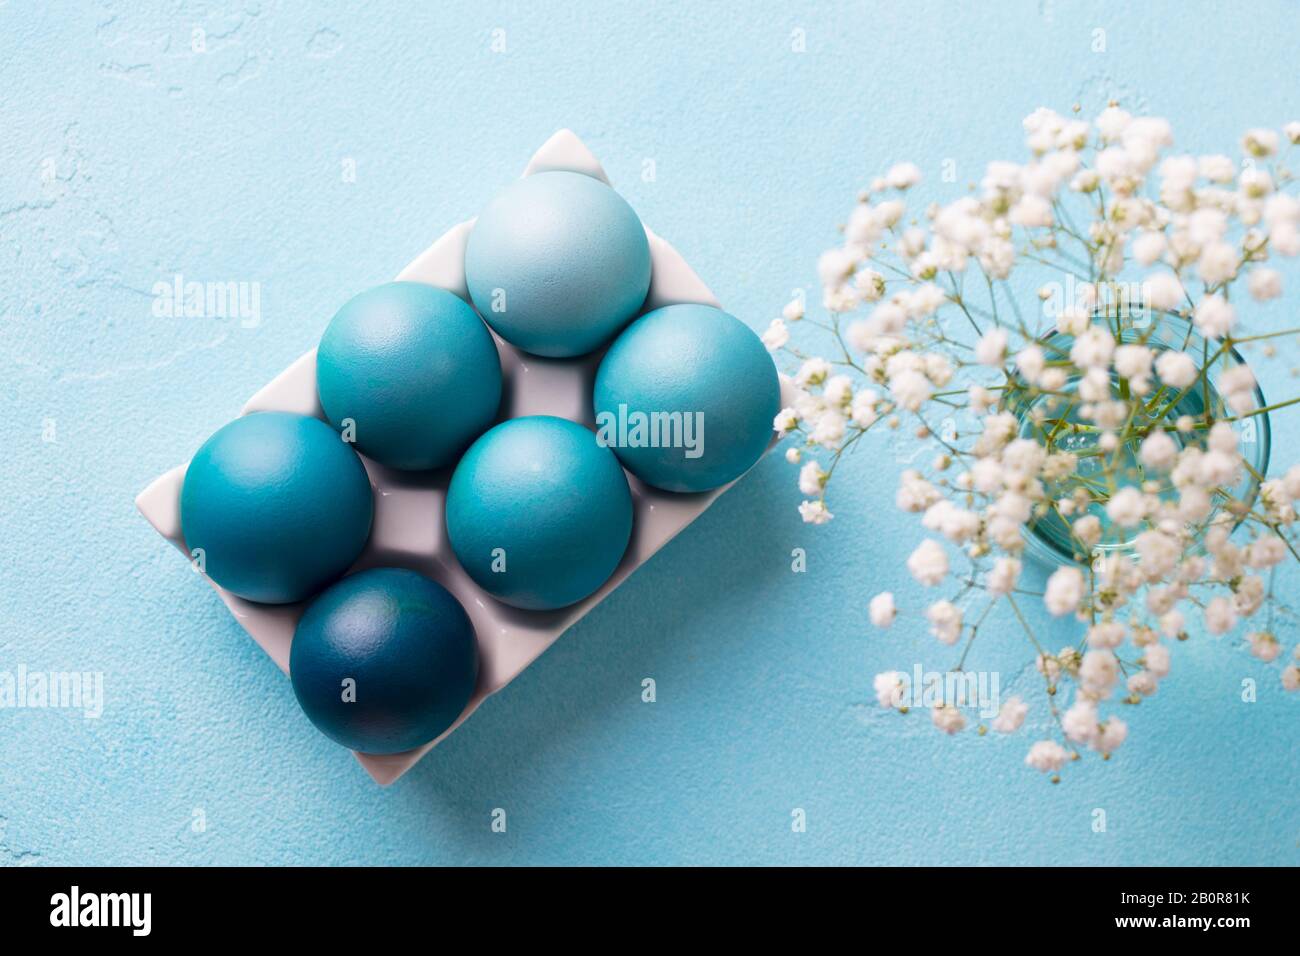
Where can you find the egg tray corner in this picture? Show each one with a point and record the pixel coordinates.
(408, 528)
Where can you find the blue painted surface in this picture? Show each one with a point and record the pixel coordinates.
(128, 158)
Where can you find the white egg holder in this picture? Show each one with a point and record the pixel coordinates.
(408, 528)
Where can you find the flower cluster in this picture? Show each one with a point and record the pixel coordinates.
(1111, 426)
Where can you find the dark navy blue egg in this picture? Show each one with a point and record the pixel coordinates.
(384, 661)
(686, 397)
(275, 506)
(538, 513)
(410, 373)
(558, 263)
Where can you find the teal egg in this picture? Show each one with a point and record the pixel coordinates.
(686, 397)
(384, 661)
(414, 370)
(275, 506)
(557, 264)
(538, 513)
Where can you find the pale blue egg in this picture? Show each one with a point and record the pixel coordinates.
(275, 506)
(413, 370)
(686, 397)
(538, 513)
(557, 264)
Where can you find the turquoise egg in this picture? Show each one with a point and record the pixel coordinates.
(414, 370)
(275, 506)
(538, 513)
(557, 264)
(686, 397)
(384, 661)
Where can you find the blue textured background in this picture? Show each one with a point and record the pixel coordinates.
(226, 165)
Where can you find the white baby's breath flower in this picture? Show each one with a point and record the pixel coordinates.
(1087, 528)
(862, 411)
(1171, 623)
(882, 609)
(1156, 659)
(992, 347)
(813, 372)
(1214, 316)
(1030, 362)
(1264, 645)
(838, 391)
(787, 420)
(1047, 756)
(1064, 591)
(1158, 451)
(1073, 320)
(948, 718)
(1259, 142)
(1098, 671)
(1220, 616)
(812, 478)
(945, 621)
(1148, 247)
(1106, 634)
(1085, 181)
(1031, 211)
(1133, 361)
(1291, 677)
(1011, 715)
(1158, 553)
(1176, 369)
(794, 455)
(829, 428)
(1266, 551)
(1162, 290)
(1079, 722)
(1110, 735)
(1217, 168)
(834, 266)
(1126, 507)
(1143, 683)
(776, 336)
(915, 493)
(1217, 263)
(1002, 579)
(903, 176)
(911, 388)
(1264, 284)
(815, 512)
(928, 564)
(890, 688)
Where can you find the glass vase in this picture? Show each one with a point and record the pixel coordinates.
(1102, 473)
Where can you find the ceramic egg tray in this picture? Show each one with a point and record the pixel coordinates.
(408, 528)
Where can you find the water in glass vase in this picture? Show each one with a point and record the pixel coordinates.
(1055, 421)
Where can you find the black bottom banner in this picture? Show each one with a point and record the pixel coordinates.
(375, 905)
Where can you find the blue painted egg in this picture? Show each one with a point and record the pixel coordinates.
(414, 370)
(384, 661)
(558, 263)
(538, 513)
(279, 505)
(686, 397)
